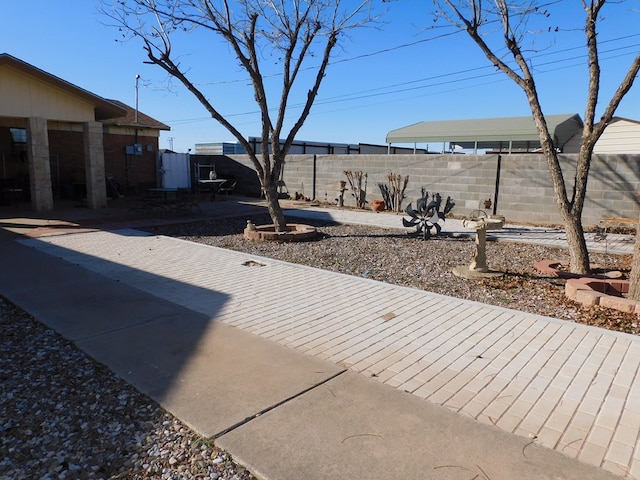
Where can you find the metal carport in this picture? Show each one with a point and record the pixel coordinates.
(501, 134)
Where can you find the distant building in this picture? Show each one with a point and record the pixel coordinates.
(300, 147)
(219, 148)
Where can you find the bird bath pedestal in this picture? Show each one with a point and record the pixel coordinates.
(478, 267)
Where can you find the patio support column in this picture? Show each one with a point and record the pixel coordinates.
(39, 166)
(94, 165)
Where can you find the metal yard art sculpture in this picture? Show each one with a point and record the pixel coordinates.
(427, 215)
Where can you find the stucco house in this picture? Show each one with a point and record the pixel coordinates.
(59, 140)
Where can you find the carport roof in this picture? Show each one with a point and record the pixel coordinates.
(489, 133)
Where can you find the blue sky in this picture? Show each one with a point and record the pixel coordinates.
(381, 78)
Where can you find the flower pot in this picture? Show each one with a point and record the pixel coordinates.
(377, 205)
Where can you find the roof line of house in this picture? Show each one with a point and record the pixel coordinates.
(104, 108)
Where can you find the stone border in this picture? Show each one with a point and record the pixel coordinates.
(603, 292)
(592, 291)
(264, 233)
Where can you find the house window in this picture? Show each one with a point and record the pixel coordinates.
(19, 136)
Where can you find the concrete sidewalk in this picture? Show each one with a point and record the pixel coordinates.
(304, 382)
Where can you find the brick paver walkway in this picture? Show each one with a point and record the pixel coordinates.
(567, 386)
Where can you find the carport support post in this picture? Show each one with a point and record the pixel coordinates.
(39, 166)
(94, 165)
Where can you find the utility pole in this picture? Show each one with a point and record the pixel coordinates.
(137, 80)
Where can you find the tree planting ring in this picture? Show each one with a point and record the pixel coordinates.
(295, 232)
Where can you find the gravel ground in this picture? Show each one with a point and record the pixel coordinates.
(64, 416)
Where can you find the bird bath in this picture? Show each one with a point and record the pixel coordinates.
(478, 267)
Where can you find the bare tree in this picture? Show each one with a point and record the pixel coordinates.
(634, 276)
(294, 30)
(479, 18)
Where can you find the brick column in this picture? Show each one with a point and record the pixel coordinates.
(94, 165)
(39, 166)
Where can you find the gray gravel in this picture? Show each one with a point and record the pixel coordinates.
(64, 416)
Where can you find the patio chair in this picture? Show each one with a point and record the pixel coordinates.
(227, 187)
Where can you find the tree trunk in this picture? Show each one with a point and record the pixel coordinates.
(273, 205)
(578, 252)
(634, 276)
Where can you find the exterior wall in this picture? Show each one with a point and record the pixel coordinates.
(470, 179)
(524, 193)
(68, 161)
(573, 144)
(614, 185)
(526, 190)
(66, 154)
(39, 168)
(236, 166)
(133, 172)
(94, 165)
(146, 136)
(620, 136)
(26, 96)
(466, 178)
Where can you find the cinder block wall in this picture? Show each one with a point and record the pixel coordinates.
(614, 183)
(523, 191)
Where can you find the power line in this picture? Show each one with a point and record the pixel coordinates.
(335, 62)
(370, 92)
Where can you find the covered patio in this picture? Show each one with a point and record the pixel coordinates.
(58, 140)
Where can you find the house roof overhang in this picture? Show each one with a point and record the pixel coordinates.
(489, 133)
(129, 119)
(103, 108)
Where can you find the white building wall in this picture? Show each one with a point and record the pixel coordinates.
(621, 136)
